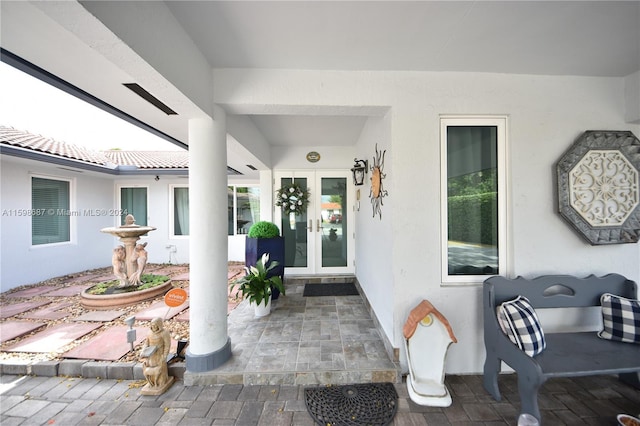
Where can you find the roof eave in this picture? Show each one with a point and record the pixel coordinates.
(30, 154)
(111, 169)
(153, 172)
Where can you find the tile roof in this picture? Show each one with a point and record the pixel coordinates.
(150, 159)
(140, 159)
(19, 138)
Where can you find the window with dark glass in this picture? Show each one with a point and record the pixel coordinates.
(51, 207)
(180, 211)
(472, 200)
(134, 201)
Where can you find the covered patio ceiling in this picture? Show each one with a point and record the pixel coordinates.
(82, 44)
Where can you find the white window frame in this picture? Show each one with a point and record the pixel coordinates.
(501, 124)
(119, 201)
(72, 210)
(235, 187)
(172, 232)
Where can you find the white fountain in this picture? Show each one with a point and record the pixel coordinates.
(128, 261)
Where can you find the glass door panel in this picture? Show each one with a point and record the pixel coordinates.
(295, 232)
(334, 219)
(334, 250)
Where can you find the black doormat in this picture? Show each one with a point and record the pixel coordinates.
(330, 289)
(352, 405)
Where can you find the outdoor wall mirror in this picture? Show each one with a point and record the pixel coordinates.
(359, 170)
(599, 187)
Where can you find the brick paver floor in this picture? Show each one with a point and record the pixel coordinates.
(70, 401)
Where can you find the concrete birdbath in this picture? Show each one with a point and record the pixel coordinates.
(128, 261)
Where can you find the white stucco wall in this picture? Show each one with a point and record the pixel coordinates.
(331, 157)
(398, 257)
(162, 246)
(20, 262)
(632, 98)
(374, 236)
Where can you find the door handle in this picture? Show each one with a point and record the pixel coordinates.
(310, 227)
(319, 227)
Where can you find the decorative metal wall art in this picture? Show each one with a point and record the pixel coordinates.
(377, 192)
(599, 186)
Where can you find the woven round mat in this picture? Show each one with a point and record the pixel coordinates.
(352, 405)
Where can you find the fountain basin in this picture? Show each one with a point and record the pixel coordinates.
(134, 231)
(110, 301)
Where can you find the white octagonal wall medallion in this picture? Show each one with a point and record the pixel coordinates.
(599, 187)
(604, 188)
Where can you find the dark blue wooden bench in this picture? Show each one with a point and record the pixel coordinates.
(567, 354)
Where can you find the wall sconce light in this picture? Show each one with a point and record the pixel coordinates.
(359, 170)
(157, 178)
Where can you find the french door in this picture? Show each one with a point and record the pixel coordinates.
(320, 240)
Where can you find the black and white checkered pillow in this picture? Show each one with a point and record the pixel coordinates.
(519, 322)
(621, 318)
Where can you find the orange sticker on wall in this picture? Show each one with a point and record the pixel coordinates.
(175, 297)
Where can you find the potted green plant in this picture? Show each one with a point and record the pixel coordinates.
(257, 285)
(264, 237)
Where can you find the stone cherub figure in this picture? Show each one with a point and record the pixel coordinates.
(140, 258)
(129, 221)
(154, 354)
(119, 269)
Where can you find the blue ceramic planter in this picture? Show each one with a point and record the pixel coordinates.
(256, 247)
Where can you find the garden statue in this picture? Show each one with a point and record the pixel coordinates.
(140, 259)
(129, 221)
(130, 259)
(119, 255)
(154, 364)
